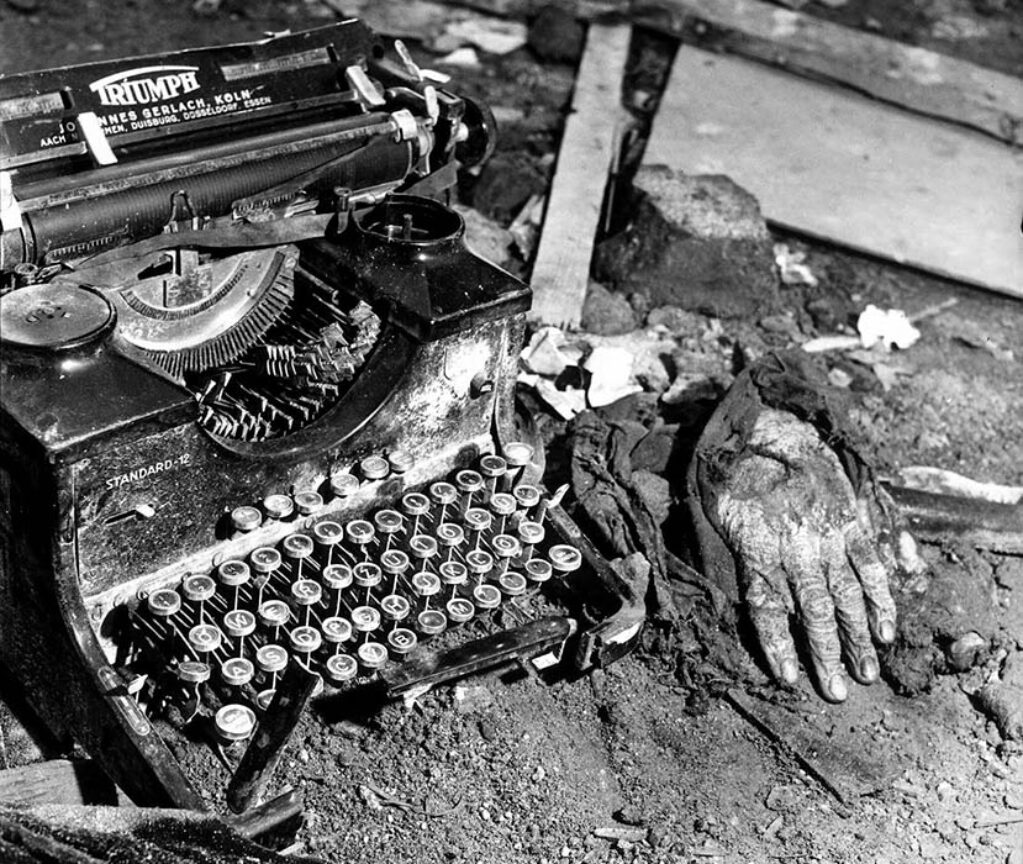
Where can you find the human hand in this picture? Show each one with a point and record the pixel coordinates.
(807, 545)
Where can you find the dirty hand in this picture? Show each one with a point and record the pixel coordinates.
(806, 545)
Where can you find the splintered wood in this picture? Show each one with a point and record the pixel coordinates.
(588, 151)
(837, 166)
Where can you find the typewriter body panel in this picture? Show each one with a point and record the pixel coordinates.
(358, 380)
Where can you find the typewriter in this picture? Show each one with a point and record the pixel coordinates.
(257, 403)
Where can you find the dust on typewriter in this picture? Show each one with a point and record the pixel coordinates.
(257, 404)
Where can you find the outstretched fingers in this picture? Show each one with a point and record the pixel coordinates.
(874, 578)
(850, 609)
(769, 614)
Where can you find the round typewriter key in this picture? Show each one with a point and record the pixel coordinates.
(399, 461)
(239, 623)
(205, 638)
(265, 559)
(425, 584)
(432, 622)
(235, 722)
(401, 640)
(343, 484)
(337, 576)
(308, 502)
(449, 534)
(388, 521)
(395, 607)
(297, 546)
(511, 583)
(423, 546)
(503, 504)
(372, 655)
(469, 481)
(479, 562)
(274, 613)
(328, 533)
(453, 573)
(271, 658)
(486, 597)
(164, 602)
(527, 496)
(237, 671)
(278, 506)
(367, 574)
(264, 698)
(505, 546)
(305, 640)
(531, 533)
(492, 466)
(361, 532)
(365, 619)
(415, 504)
(306, 592)
(565, 558)
(341, 668)
(517, 453)
(477, 519)
(193, 671)
(198, 588)
(394, 562)
(442, 493)
(336, 629)
(538, 570)
(374, 468)
(246, 518)
(460, 610)
(234, 573)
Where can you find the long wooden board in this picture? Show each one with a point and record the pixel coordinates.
(561, 270)
(913, 77)
(847, 169)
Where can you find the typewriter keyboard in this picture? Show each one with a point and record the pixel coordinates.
(344, 598)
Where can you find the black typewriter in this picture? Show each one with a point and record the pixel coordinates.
(257, 403)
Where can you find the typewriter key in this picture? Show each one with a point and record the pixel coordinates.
(338, 577)
(341, 668)
(265, 559)
(486, 597)
(205, 638)
(164, 602)
(372, 655)
(505, 547)
(451, 536)
(274, 613)
(399, 461)
(460, 610)
(198, 588)
(235, 722)
(538, 570)
(237, 671)
(271, 658)
(297, 546)
(401, 640)
(395, 607)
(234, 573)
(343, 484)
(502, 504)
(367, 574)
(193, 671)
(469, 483)
(415, 503)
(492, 468)
(425, 584)
(530, 534)
(306, 592)
(361, 533)
(527, 496)
(305, 640)
(511, 583)
(374, 468)
(278, 506)
(394, 562)
(518, 455)
(246, 518)
(424, 547)
(328, 534)
(565, 558)
(239, 623)
(388, 523)
(336, 630)
(480, 562)
(365, 619)
(308, 502)
(453, 573)
(431, 622)
(443, 494)
(477, 520)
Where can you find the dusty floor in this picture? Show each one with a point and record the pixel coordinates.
(508, 771)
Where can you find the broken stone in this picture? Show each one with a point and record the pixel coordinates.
(698, 242)
(555, 35)
(966, 651)
(606, 313)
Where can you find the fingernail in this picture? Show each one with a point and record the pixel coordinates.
(789, 671)
(868, 669)
(886, 630)
(837, 688)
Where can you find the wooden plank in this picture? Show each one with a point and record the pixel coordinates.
(912, 77)
(57, 781)
(843, 168)
(588, 148)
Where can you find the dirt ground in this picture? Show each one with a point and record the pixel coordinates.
(656, 758)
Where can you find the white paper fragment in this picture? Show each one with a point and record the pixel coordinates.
(888, 327)
(493, 35)
(611, 375)
(543, 353)
(567, 404)
(464, 57)
(792, 266)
